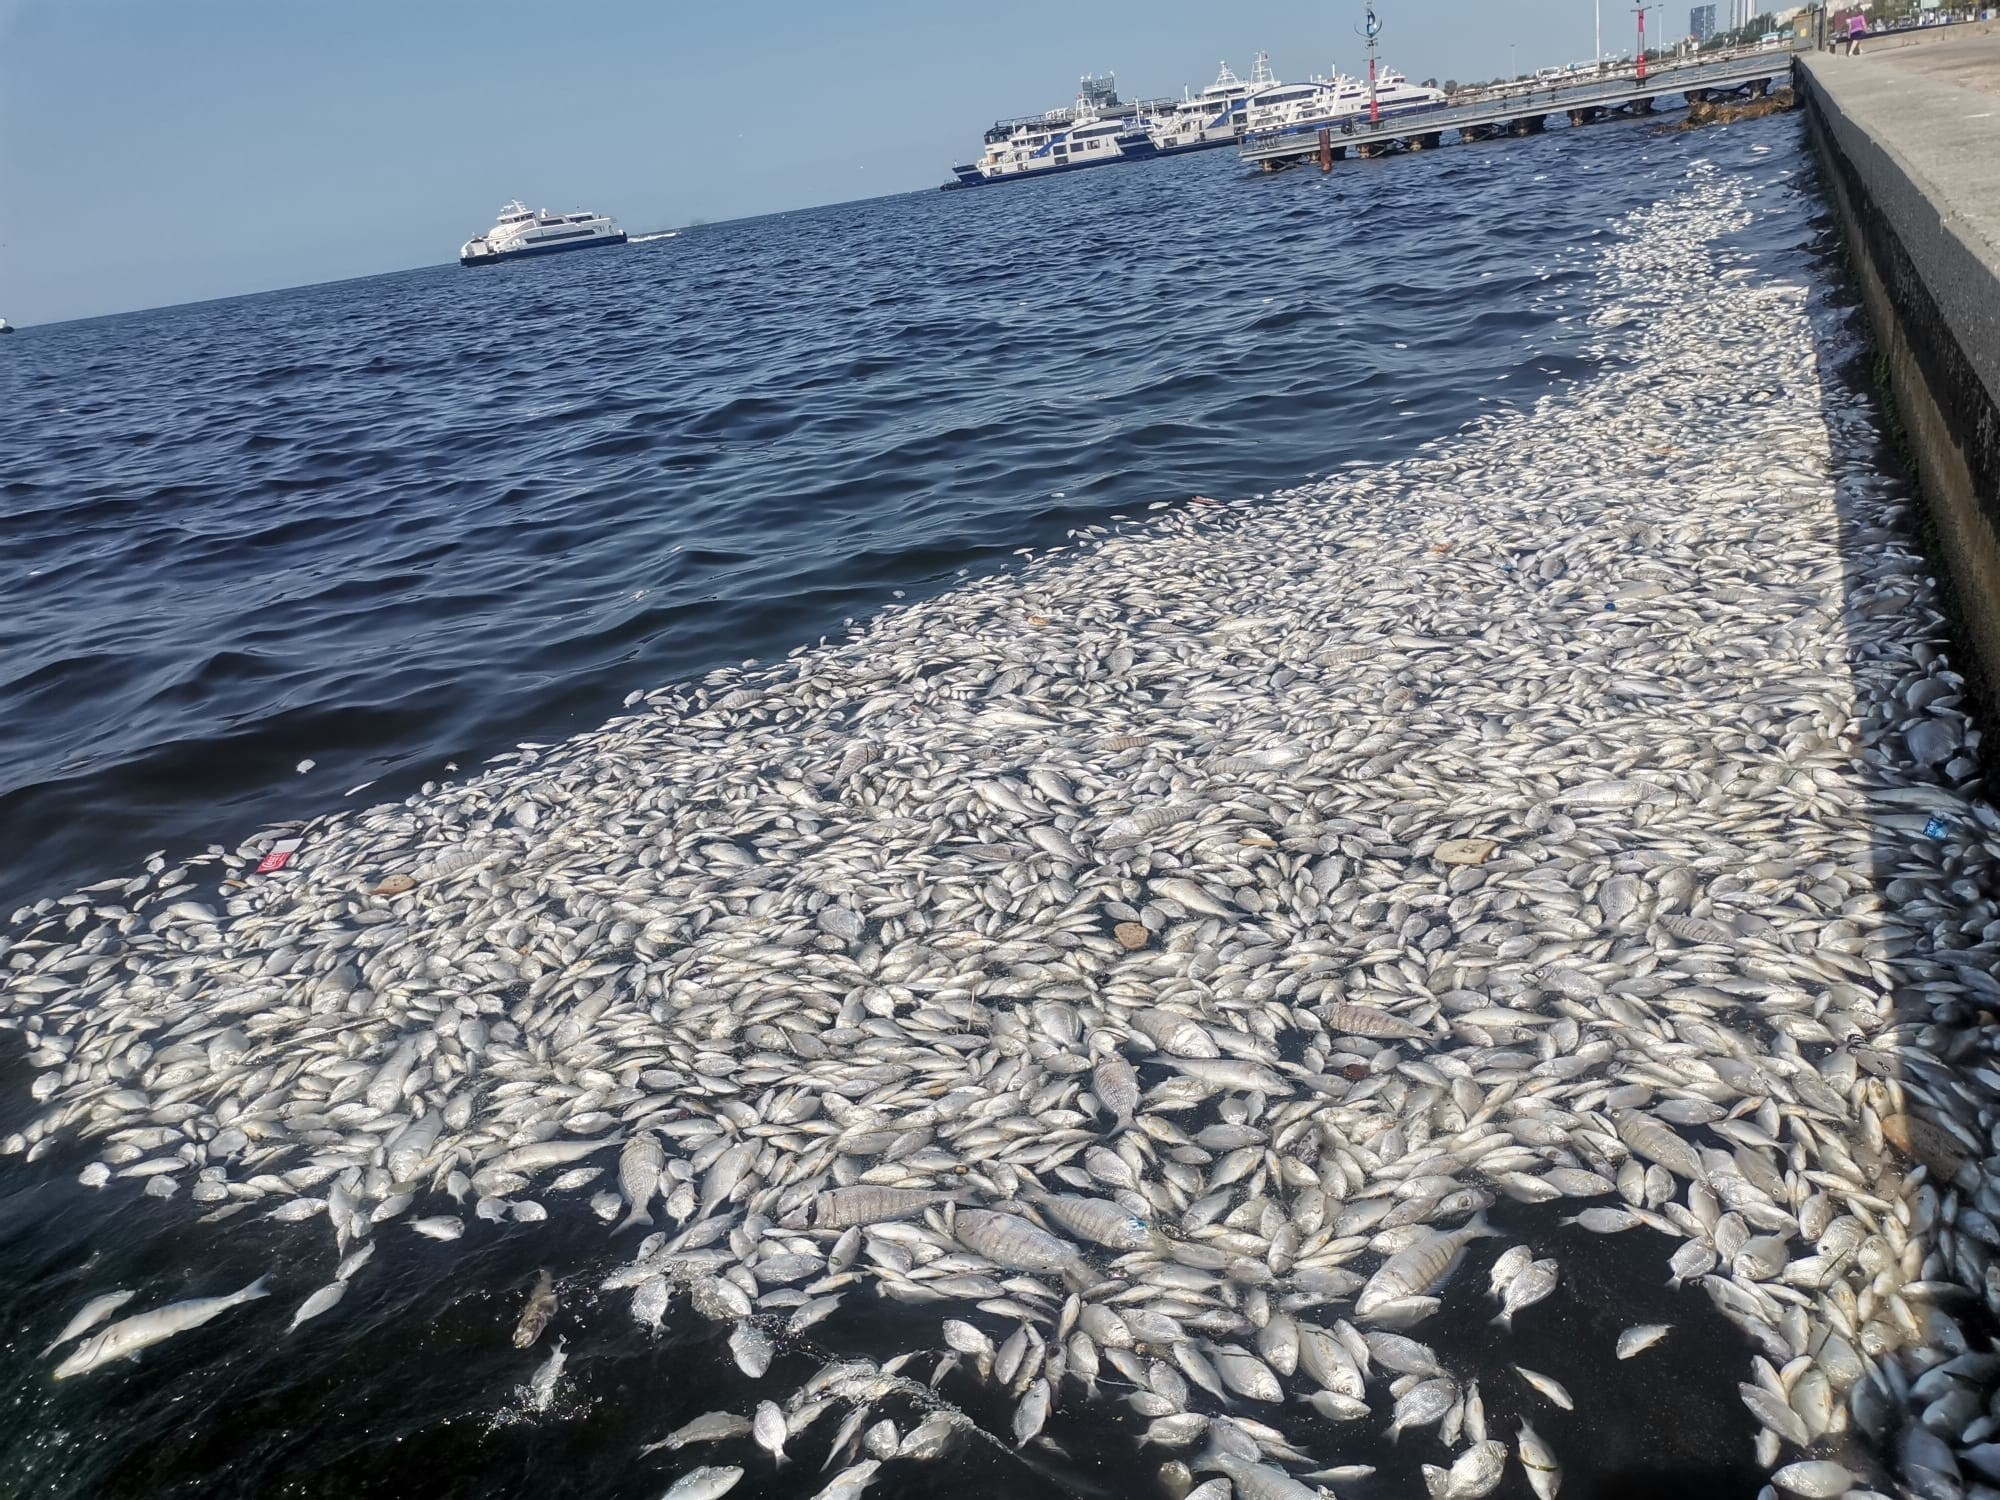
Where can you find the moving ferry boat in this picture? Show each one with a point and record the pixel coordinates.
(1064, 141)
(1215, 118)
(521, 231)
(1332, 100)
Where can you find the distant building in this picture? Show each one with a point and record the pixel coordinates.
(1701, 22)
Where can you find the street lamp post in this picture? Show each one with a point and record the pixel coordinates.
(1600, 36)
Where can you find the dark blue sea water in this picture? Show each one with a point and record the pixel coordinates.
(394, 523)
(399, 524)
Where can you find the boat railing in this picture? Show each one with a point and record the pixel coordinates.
(1068, 114)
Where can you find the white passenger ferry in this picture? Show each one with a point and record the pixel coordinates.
(1217, 116)
(521, 231)
(1336, 100)
(1063, 141)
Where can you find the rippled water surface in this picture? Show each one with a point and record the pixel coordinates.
(386, 524)
(396, 525)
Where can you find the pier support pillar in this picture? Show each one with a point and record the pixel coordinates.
(1588, 115)
(1759, 87)
(1325, 149)
(1429, 141)
(1528, 125)
(1642, 106)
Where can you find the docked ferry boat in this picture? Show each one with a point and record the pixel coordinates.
(521, 231)
(1215, 117)
(1064, 141)
(1331, 101)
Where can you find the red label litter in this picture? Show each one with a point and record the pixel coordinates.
(280, 856)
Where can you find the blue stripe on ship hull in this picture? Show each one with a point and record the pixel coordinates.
(489, 260)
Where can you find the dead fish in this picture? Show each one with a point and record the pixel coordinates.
(1544, 1473)
(639, 1162)
(1368, 1020)
(87, 1317)
(709, 1427)
(319, 1302)
(542, 1385)
(1637, 1340)
(752, 1349)
(128, 1337)
(1552, 1389)
(704, 1483)
(1414, 1271)
(540, 1308)
(850, 1482)
(842, 1208)
(1535, 1282)
(768, 1427)
(1424, 1403)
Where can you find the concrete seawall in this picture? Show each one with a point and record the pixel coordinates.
(1908, 137)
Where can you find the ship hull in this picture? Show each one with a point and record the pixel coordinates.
(493, 258)
(1148, 152)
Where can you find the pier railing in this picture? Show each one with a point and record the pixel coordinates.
(1291, 142)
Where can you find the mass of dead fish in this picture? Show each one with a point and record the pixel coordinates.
(1158, 962)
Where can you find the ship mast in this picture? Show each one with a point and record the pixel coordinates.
(1373, 29)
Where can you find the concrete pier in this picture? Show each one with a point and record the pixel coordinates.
(1908, 136)
(1518, 111)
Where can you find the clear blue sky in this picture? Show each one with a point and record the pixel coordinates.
(161, 151)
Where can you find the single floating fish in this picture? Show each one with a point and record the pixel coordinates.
(1552, 1389)
(541, 1307)
(87, 1317)
(1637, 1340)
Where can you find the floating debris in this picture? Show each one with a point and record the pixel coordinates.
(1155, 1001)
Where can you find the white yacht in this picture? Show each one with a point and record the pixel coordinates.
(1336, 100)
(521, 231)
(1063, 141)
(1216, 116)
(5, 326)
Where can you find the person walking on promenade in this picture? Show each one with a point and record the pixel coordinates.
(1857, 28)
